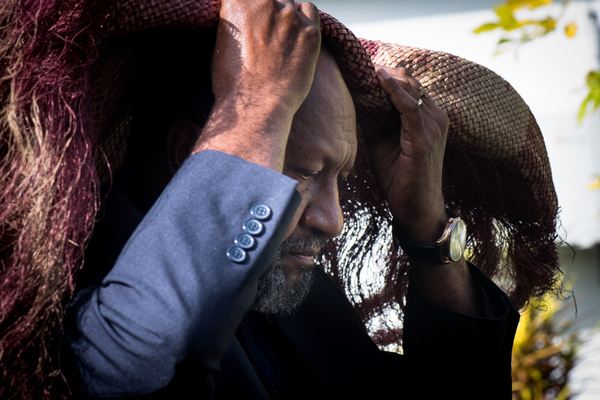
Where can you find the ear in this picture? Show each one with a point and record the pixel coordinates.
(180, 141)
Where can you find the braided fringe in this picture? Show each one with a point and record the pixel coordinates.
(48, 192)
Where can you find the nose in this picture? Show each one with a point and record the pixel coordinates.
(323, 212)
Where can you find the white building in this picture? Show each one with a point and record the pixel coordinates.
(549, 73)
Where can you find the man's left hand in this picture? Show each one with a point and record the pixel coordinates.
(407, 161)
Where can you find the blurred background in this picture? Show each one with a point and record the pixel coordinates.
(550, 74)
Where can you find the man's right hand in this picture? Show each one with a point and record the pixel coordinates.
(262, 70)
(266, 50)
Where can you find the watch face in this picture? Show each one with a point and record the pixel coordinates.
(458, 239)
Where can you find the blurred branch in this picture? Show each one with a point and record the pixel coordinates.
(592, 80)
(545, 351)
(520, 31)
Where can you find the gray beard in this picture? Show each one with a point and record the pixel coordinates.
(277, 294)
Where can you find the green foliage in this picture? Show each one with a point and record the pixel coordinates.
(544, 352)
(592, 81)
(526, 30)
(522, 30)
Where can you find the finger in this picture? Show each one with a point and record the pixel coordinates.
(310, 11)
(402, 74)
(431, 115)
(420, 93)
(406, 76)
(285, 3)
(404, 97)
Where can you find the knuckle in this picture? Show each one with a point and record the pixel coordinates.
(312, 31)
(394, 72)
(405, 84)
(309, 9)
(391, 86)
(289, 13)
(264, 4)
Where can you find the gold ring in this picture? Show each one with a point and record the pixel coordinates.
(420, 102)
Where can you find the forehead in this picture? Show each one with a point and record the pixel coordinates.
(326, 119)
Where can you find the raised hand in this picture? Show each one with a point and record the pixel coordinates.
(266, 50)
(407, 160)
(262, 70)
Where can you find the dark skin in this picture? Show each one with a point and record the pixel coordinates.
(320, 153)
(263, 68)
(411, 161)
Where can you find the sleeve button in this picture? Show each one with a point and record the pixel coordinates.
(236, 254)
(245, 241)
(260, 211)
(253, 227)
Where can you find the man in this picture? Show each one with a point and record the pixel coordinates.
(172, 316)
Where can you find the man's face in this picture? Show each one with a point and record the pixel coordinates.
(320, 153)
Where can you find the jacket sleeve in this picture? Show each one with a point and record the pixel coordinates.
(467, 356)
(174, 291)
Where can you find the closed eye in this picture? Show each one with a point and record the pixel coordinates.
(305, 174)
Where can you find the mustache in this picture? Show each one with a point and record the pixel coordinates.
(292, 245)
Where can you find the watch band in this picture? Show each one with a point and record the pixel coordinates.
(428, 252)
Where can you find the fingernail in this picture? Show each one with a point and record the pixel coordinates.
(384, 74)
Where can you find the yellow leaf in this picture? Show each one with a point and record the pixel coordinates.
(486, 27)
(506, 17)
(535, 356)
(592, 79)
(549, 24)
(531, 4)
(564, 393)
(515, 4)
(571, 30)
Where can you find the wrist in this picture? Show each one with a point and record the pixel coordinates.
(426, 229)
(448, 247)
(255, 133)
